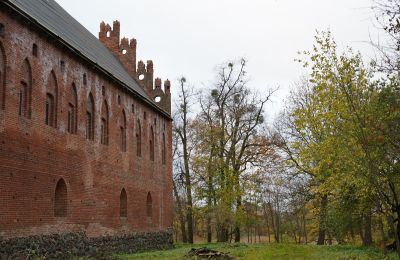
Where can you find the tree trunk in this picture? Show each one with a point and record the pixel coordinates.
(278, 235)
(181, 216)
(189, 208)
(209, 231)
(382, 233)
(398, 231)
(248, 234)
(361, 229)
(237, 227)
(267, 222)
(210, 197)
(322, 216)
(222, 233)
(367, 229)
(304, 227)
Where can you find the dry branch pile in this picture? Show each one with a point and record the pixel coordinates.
(206, 253)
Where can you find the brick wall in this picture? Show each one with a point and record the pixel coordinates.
(35, 158)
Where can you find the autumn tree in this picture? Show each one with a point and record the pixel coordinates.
(324, 128)
(231, 116)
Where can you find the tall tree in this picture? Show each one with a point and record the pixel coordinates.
(233, 114)
(182, 129)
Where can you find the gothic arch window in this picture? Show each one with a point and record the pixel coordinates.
(72, 110)
(122, 130)
(149, 206)
(151, 143)
(61, 199)
(25, 90)
(138, 139)
(51, 101)
(90, 118)
(163, 150)
(104, 124)
(123, 204)
(2, 76)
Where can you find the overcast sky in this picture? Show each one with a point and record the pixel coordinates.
(190, 38)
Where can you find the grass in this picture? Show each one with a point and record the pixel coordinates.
(270, 251)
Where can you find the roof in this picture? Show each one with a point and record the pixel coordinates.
(53, 18)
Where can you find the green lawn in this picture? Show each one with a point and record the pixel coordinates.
(271, 251)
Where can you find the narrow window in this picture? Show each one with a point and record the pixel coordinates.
(163, 149)
(90, 118)
(22, 99)
(138, 139)
(34, 50)
(123, 204)
(62, 65)
(49, 110)
(103, 131)
(72, 110)
(60, 199)
(151, 143)
(104, 124)
(51, 101)
(2, 76)
(24, 95)
(122, 139)
(89, 126)
(71, 118)
(123, 132)
(149, 210)
(2, 30)
(84, 79)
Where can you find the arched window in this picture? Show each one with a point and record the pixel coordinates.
(138, 139)
(149, 204)
(122, 133)
(72, 110)
(25, 90)
(163, 155)
(104, 124)
(2, 77)
(61, 199)
(90, 118)
(123, 204)
(151, 144)
(51, 101)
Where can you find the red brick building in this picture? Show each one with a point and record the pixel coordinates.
(85, 129)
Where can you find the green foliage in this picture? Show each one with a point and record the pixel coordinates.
(336, 119)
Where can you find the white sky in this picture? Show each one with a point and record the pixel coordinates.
(188, 37)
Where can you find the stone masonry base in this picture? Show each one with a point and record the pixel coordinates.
(64, 246)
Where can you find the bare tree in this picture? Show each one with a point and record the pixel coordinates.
(182, 128)
(233, 114)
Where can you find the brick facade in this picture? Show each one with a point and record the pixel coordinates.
(78, 152)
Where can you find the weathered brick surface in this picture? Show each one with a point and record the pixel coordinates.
(35, 156)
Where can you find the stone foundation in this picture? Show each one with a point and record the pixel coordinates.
(62, 246)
